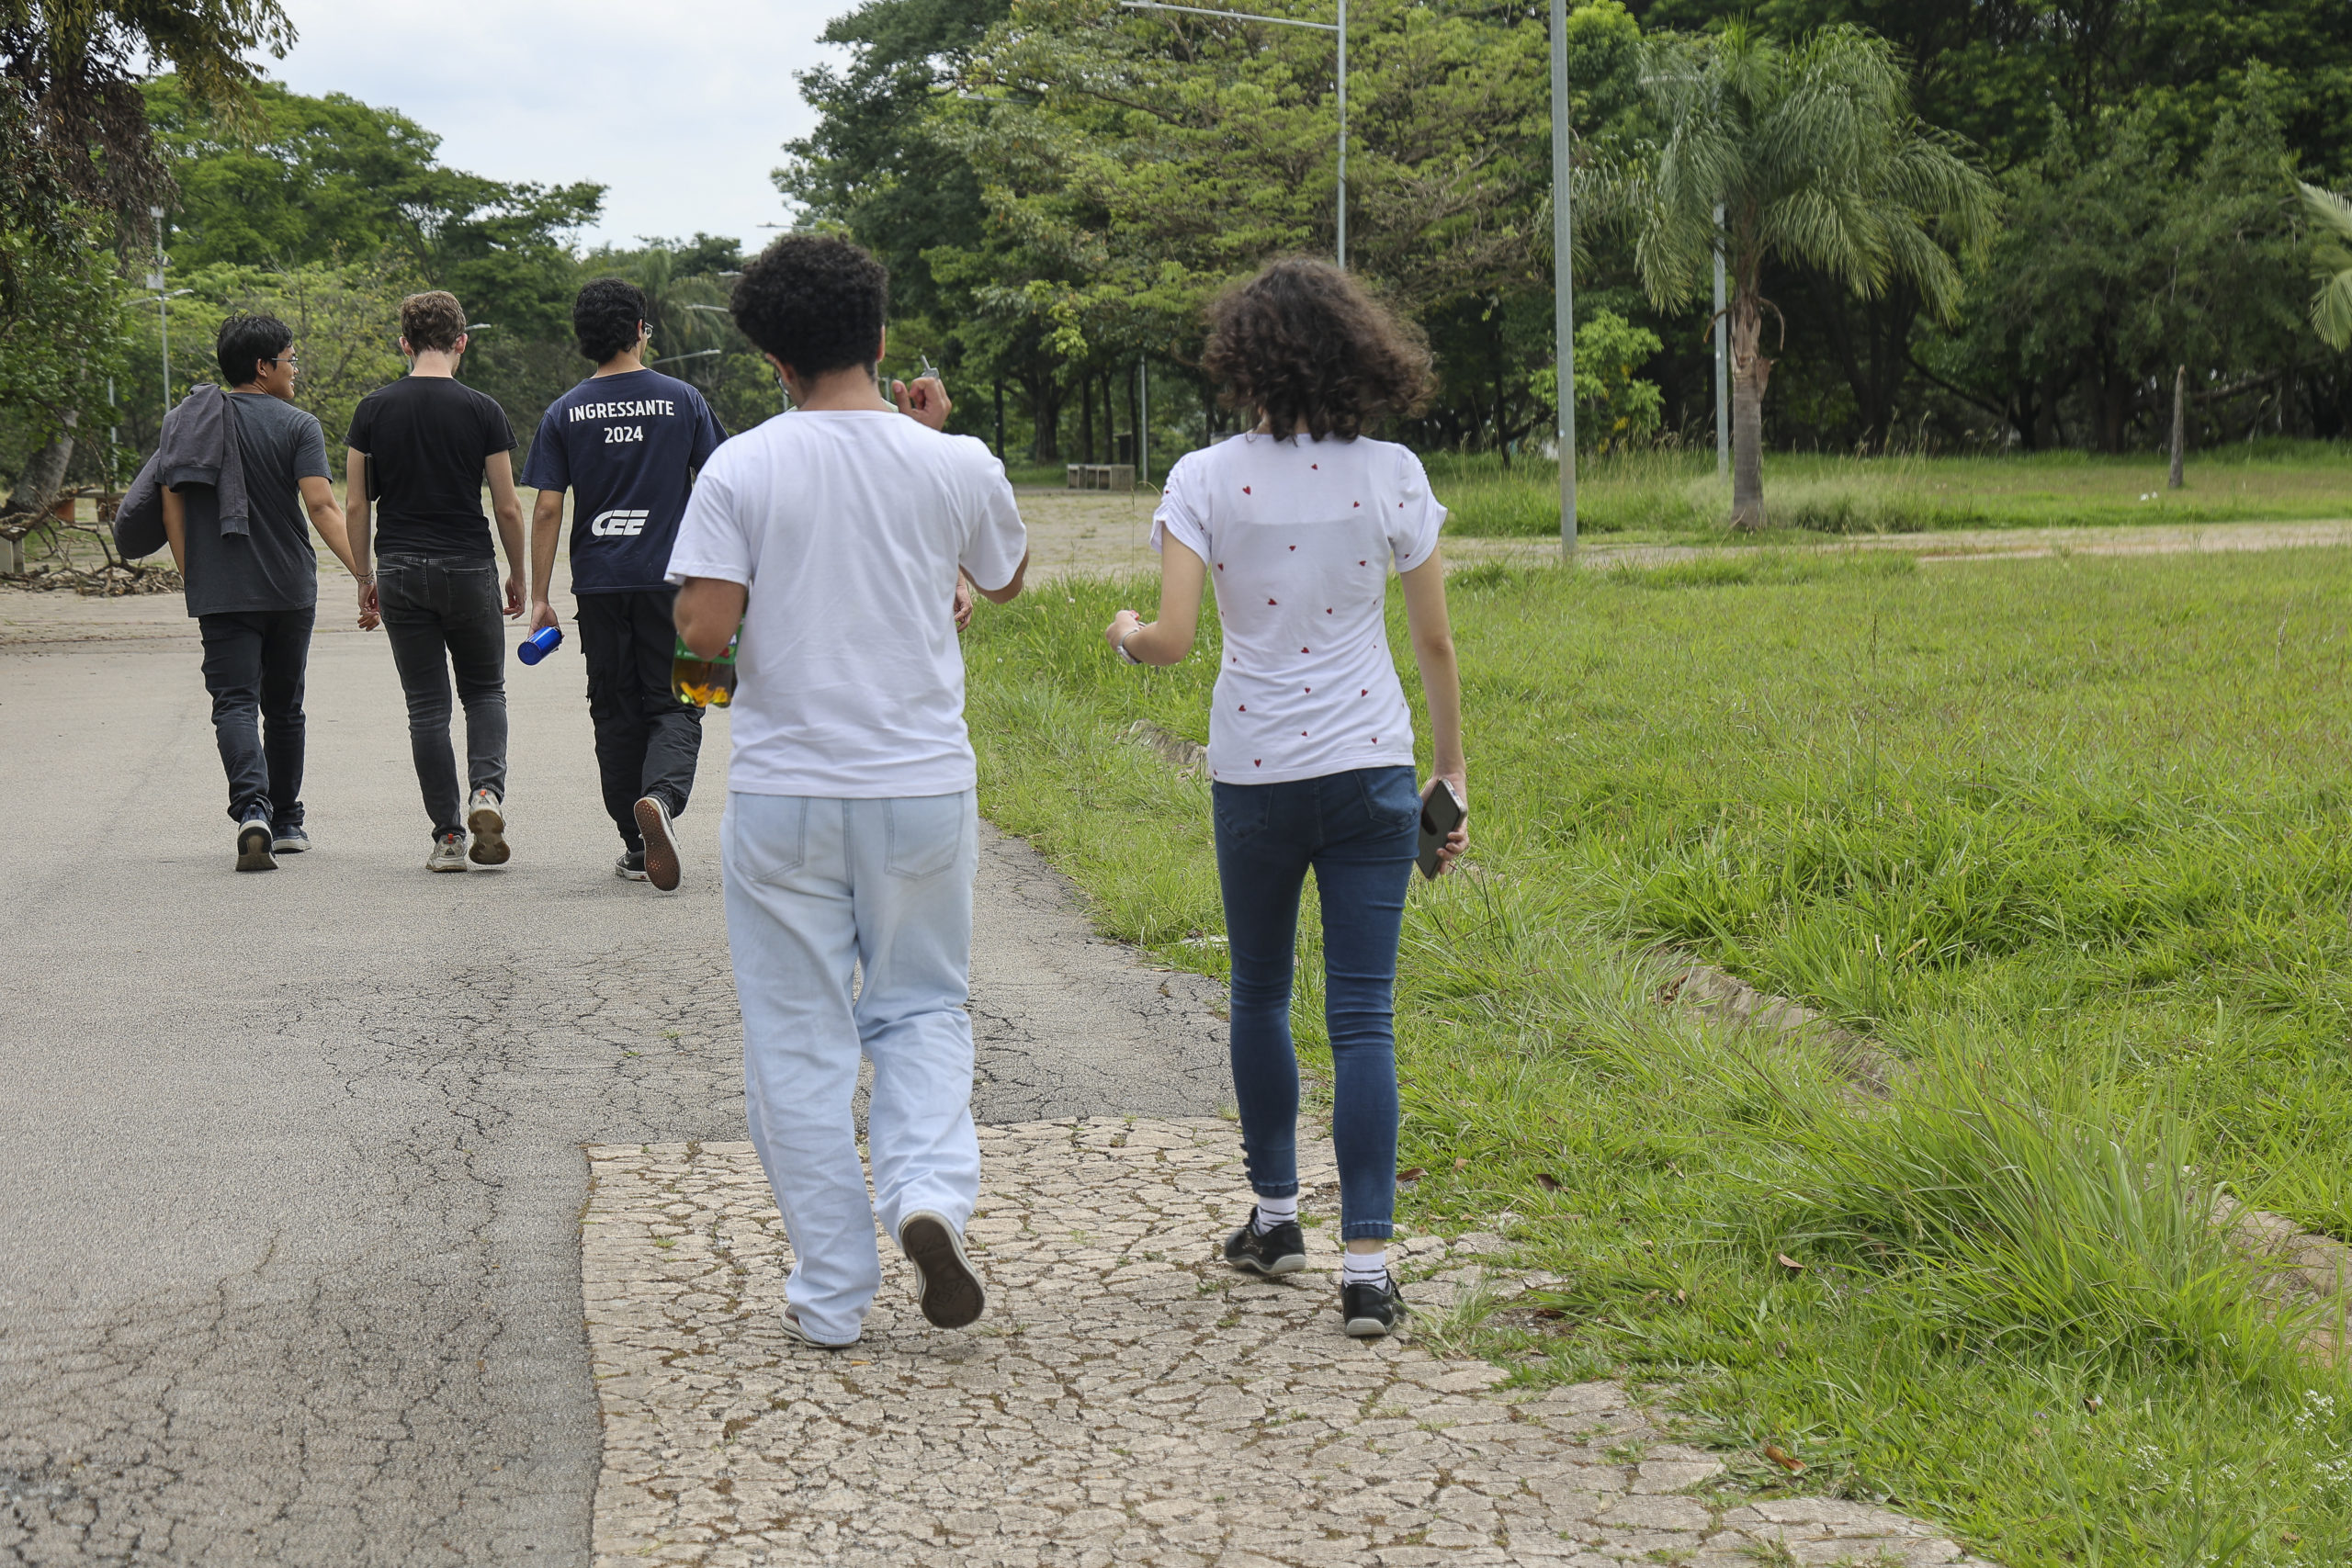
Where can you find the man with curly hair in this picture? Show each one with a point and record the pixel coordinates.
(626, 443)
(834, 536)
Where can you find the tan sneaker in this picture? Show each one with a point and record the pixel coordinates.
(661, 865)
(488, 824)
(449, 854)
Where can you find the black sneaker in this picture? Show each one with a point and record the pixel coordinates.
(1281, 1250)
(630, 866)
(945, 1283)
(290, 839)
(252, 846)
(1370, 1311)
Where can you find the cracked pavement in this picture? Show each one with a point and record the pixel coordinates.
(289, 1267)
(1126, 1398)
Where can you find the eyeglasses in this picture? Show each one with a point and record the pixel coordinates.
(294, 360)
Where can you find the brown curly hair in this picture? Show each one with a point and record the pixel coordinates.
(1306, 345)
(433, 322)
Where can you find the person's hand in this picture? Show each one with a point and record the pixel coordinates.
(1459, 840)
(542, 615)
(513, 595)
(963, 603)
(926, 403)
(372, 610)
(1123, 625)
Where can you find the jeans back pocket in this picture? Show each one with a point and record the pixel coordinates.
(767, 835)
(926, 833)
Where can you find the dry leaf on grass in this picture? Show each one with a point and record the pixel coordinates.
(1546, 1180)
(1414, 1174)
(1791, 1264)
(1784, 1458)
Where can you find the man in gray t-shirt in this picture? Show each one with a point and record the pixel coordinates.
(253, 590)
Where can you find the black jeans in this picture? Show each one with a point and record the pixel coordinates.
(254, 663)
(441, 614)
(647, 741)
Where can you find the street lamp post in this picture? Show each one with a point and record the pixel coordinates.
(1563, 313)
(1339, 28)
(164, 303)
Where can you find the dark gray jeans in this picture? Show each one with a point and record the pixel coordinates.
(253, 662)
(441, 614)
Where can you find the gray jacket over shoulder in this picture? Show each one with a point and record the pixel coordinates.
(198, 447)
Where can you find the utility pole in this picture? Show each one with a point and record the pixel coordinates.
(1564, 312)
(1343, 135)
(1723, 359)
(163, 304)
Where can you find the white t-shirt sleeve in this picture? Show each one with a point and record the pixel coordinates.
(1174, 518)
(997, 542)
(712, 540)
(1416, 517)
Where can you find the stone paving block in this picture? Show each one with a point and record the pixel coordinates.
(1127, 1400)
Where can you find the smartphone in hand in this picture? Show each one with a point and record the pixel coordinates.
(1442, 813)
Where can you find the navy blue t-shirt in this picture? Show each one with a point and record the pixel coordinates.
(627, 447)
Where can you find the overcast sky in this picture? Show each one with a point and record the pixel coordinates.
(679, 109)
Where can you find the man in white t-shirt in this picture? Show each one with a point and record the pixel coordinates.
(834, 536)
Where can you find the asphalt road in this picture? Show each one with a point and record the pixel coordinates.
(291, 1164)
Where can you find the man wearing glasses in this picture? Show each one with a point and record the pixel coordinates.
(252, 584)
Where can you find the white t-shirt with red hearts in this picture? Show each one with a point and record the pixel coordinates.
(1298, 537)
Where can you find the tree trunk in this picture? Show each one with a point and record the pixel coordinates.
(43, 477)
(1749, 372)
(2179, 425)
(1044, 421)
(1086, 419)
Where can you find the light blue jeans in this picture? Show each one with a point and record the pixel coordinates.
(817, 889)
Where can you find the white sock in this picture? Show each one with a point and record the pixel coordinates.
(1363, 1268)
(1273, 1212)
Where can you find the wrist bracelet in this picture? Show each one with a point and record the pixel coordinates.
(1123, 646)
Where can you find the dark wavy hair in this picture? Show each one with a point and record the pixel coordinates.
(244, 339)
(1304, 343)
(815, 302)
(604, 316)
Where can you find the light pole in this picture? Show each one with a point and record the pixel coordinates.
(1339, 28)
(1564, 311)
(162, 301)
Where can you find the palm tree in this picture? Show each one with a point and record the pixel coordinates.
(1814, 155)
(2331, 264)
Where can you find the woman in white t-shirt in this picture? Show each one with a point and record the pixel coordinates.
(1310, 741)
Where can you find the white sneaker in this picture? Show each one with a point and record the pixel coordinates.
(252, 846)
(449, 854)
(799, 1336)
(489, 826)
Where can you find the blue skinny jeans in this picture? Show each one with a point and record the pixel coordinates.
(1358, 832)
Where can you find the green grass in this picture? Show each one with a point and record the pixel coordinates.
(2064, 835)
(1663, 495)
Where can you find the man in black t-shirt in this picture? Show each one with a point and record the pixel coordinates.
(252, 584)
(421, 450)
(625, 442)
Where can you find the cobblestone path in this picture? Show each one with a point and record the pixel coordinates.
(1127, 1399)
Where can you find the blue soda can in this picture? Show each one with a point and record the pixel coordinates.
(539, 644)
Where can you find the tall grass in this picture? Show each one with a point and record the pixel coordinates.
(2064, 835)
